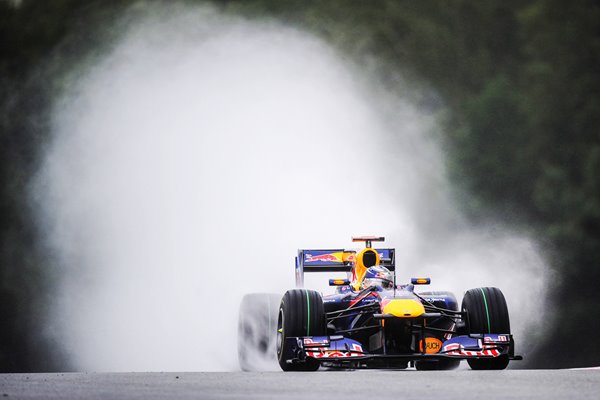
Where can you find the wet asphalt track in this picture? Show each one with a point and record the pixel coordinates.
(409, 384)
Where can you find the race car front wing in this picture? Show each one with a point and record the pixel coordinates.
(344, 352)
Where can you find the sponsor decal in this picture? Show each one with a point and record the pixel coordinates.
(310, 342)
(335, 257)
(500, 338)
(434, 299)
(432, 345)
(452, 347)
(370, 297)
(356, 351)
(456, 349)
(322, 257)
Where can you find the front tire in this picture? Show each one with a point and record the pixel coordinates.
(487, 313)
(301, 313)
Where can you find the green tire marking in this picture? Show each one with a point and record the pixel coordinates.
(308, 312)
(487, 312)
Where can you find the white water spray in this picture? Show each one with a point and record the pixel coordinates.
(188, 167)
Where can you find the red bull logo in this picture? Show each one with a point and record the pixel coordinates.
(322, 258)
(333, 257)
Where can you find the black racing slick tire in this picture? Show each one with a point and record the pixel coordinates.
(257, 331)
(301, 313)
(486, 313)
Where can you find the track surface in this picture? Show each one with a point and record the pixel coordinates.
(408, 384)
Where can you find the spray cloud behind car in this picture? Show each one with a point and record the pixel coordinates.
(189, 165)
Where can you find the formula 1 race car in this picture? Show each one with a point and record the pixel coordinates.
(373, 322)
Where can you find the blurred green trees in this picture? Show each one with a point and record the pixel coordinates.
(520, 109)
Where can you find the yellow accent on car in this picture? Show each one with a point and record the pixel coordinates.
(360, 269)
(404, 308)
(348, 255)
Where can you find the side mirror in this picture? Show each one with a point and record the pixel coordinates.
(420, 281)
(339, 282)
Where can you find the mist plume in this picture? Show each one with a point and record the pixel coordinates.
(189, 165)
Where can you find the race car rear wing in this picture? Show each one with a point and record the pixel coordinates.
(335, 260)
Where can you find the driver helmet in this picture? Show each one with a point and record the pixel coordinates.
(378, 276)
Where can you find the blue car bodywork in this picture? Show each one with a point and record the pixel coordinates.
(388, 328)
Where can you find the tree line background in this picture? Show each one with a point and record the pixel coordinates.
(519, 85)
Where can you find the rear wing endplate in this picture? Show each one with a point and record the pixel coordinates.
(335, 260)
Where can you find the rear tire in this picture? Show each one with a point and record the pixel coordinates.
(487, 313)
(257, 331)
(301, 313)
